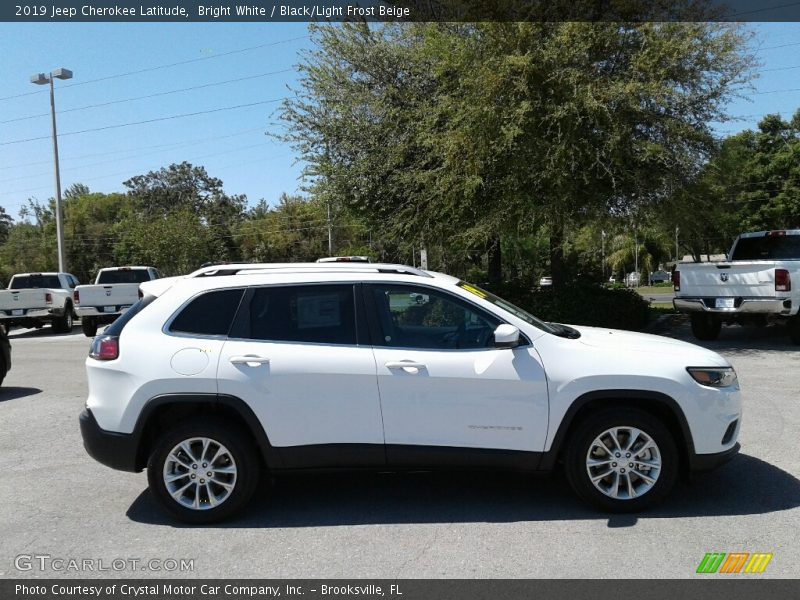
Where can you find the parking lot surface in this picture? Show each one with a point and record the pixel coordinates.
(56, 501)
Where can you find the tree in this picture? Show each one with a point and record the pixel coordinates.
(185, 188)
(464, 133)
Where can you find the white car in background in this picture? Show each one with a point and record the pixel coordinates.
(213, 378)
(115, 290)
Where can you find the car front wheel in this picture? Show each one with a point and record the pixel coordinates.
(202, 472)
(622, 460)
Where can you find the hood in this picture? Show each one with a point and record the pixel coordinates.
(631, 341)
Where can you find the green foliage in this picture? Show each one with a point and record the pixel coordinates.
(585, 305)
(463, 133)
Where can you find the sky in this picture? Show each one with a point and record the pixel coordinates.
(231, 65)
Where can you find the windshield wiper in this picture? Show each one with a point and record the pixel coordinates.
(565, 331)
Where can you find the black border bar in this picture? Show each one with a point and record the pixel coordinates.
(397, 10)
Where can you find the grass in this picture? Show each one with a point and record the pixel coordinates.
(649, 290)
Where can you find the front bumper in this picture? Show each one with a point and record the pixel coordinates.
(115, 450)
(699, 463)
(765, 306)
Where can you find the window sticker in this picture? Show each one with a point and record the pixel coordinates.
(472, 290)
(318, 311)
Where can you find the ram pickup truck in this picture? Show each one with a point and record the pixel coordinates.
(754, 286)
(34, 299)
(114, 291)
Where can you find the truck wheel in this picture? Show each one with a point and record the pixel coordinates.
(89, 326)
(794, 329)
(202, 471)
(64, 324)
(621, 460)
(705, 327)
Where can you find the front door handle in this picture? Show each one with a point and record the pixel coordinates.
(407, 366)
(251, 360)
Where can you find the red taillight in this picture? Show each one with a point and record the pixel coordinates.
(105, 348)
(48, 298)
(76, 296)
(676, 280)
(778, 233)
(783, 283)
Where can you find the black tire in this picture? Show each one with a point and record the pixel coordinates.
(705, 327)
(89, 326)
(581, 442)
(245, 458)
(794, 329)
(64, 323)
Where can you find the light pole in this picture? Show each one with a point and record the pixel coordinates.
(42, 79)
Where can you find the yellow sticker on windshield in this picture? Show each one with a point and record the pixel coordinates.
(472, 290)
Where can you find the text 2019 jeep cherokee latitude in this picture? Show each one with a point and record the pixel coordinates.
(213, 377)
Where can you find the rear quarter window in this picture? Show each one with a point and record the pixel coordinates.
(210, 313)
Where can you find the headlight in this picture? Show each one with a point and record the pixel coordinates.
(713, 376)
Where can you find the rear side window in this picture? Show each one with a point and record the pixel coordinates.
(768, 247)
(119, 323)
(124, 276)
(321, 314)
(21, 282)
(210, 313)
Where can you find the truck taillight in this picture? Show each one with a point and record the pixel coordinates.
(105, 347)
(76, 297)
(676, 280)
(48, 298)
(783, 283)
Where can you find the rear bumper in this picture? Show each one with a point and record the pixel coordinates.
(699, 463)
(98, 312)
(766, 306)
(115, 450)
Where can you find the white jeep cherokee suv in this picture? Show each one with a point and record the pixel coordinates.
(214, 377)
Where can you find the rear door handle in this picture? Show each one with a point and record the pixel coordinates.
(407, 366)
(250, 360)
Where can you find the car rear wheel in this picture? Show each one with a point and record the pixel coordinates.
(89, 326)
(705, 327)
(202, 472)
(794, 329)
(64, 323)
(622, 460)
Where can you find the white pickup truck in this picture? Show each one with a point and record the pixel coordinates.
(753, 286)
(33, 299)
(114, 291)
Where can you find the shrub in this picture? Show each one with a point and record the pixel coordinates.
(581, 304)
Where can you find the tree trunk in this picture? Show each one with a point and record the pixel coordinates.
(495, 264)
(557, 271)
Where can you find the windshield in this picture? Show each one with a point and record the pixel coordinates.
(124, 276)
(768, 247)
(507, 306)
(22, 282)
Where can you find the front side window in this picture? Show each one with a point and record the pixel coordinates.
(210, 313)
(412, 317)
(320, 314)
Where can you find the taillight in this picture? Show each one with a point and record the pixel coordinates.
(778, 233)
(76, 296)
(48, 298)
(783, 283)
(105, 347)
(676, 280)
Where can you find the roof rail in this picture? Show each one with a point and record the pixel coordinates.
(331, 267)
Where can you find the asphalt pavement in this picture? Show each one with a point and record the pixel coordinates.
(56, 501)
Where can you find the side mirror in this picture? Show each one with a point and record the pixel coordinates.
(506, 336)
